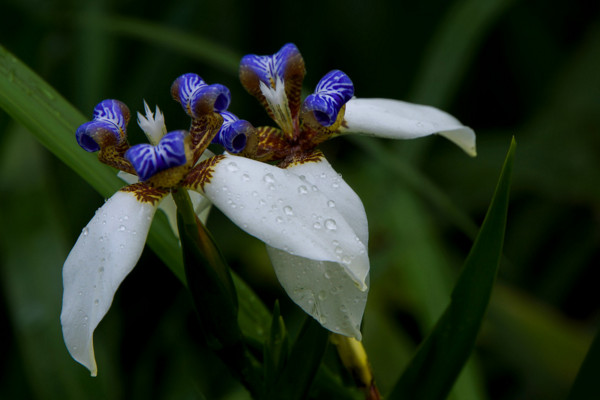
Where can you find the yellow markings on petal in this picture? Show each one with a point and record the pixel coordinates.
(201, 174)
(145, 193)
(114, 156)
(302, 158)
(317, 133)
(203, 131)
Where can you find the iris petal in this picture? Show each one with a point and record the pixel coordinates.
(396, 119)
(331, 93)
(287, 212)
(233, 133)
(323, 290)
(197, 97)
(147, 160)
(106, 251)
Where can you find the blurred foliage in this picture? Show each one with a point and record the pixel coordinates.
(503, 67)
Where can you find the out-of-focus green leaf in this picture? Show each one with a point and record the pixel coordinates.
(440, 358)
(208, 278)
(296, 378)
(211, 287)
(586, 385)
(276, 348)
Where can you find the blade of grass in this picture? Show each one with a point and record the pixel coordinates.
(442, 355)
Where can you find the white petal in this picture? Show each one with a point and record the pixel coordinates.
(286, 212)
(397, 119)
(343, 198)
(106, 251)
(323, 290)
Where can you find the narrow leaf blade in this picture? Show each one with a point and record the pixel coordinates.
(440, 358)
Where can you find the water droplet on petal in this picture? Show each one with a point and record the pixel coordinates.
(338, 250)
(323, 175)
(101, 269)
(245, 177)
(279, 220)
(330, 224)
(326, 275)
(317, 225)
(331, 203)
(232, 167)
(335, 243)
(80, 293)
(269, 178)
(315, 188)
(302, 189)
(288, 210)
(85, 231)
(322, 295)
(96, 302)
(122, 228)
(346, 260)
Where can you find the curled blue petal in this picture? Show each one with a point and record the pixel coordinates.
(108, 126)
(114, 112)
(148, 160)
(197, 97)
(332, 92)
(233, 134)
(268, 68)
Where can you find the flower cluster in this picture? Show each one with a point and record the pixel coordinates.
(272, 182)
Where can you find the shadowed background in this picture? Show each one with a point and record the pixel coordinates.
(504, 67)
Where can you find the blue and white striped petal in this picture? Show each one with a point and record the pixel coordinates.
(332, 92)
(270, 69)
(197, 97)
(108, 126)
(148, 160)
(233, 133)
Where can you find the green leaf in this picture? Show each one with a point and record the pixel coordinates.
(297, 376)
(440, 358)
(276, 349)
(586, 385)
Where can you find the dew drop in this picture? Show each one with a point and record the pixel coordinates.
(133, 232)
(331, 203)
(232, 167)
(121, 228)
(335, 185)
(269, 178)
(317, 225)
(85, 231)
(80, 293)
(302, 189)
(338, 250)
(288, 210)
(279, 220)
(330, 224)
(346, 260)
(101, 269)
(85, 318)
(125, 218)
(97, 301)
(245, 177)
(326, 275)
(315, 188)
(323, 175)
(335, 243)
(322, 295)
(343, 309)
